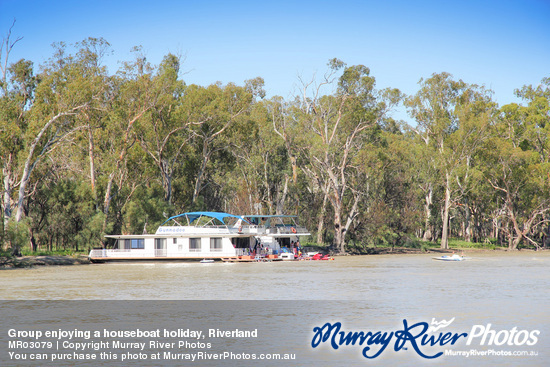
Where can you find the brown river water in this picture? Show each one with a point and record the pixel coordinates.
(509, 291)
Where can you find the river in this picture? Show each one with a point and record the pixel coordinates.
(375, 293)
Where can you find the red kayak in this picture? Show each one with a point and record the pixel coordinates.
(319, 256)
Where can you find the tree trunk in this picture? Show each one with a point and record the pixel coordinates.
(92, 163)
(427, 209)
(198, 181)
(320, 226)
(7, 190)
(120, 160)
(30, 164)
(445, 217)
(294, 165)
(281, 198)
(23, 188)
(166, 173)
(514, 242)
(467, 221)
(107, 203)
(338, 245)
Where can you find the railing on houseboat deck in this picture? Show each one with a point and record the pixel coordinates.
(287, 229)
(260, 229)
(242, 251)
(279, 229)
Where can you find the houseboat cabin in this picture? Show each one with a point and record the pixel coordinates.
(210, 235)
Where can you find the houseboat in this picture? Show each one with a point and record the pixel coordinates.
(210, 236)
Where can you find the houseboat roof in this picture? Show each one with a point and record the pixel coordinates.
(193, 216)
(270, 216)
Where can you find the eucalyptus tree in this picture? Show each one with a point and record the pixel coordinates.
(134, 94)
(432, 108)
(66, 189)
(520, 181)
(165, 133)
(537, 117)
(17, 85)
(330, 131)
(17, 96)
(278, 173)
(393, 192)
(263, 167)
(476, 114)
(65, 89)
(218, 108)
(427, 173)
(452, 120)
(91, 53)
(519, 167)
(264, 155)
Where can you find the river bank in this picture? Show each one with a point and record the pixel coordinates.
(31, 261)
(436, 250)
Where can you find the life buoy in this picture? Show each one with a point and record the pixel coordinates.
(240, 229)
(293, 230)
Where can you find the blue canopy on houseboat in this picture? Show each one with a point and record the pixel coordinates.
(193, 216)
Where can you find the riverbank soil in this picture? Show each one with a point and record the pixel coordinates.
(30, 261)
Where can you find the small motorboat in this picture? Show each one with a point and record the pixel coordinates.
(453, 257)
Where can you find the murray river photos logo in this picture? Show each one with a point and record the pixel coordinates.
(420, 337)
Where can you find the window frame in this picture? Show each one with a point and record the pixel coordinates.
(197, 244)
(216, 244)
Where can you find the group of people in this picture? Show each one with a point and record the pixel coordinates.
(296, 249)
(260, 249)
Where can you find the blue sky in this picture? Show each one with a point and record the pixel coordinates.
(502, 45)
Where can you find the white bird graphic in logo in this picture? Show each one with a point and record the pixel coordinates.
(439, 325)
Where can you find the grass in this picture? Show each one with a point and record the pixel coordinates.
(425, 246)
(461, 244)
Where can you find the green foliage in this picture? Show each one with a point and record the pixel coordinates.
(65, 215)
(91, 233)
(145, 211)
(16, 236)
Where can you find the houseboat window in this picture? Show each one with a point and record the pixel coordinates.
(134, 243)
(215, 244)
(138, 243)
(194, 244)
